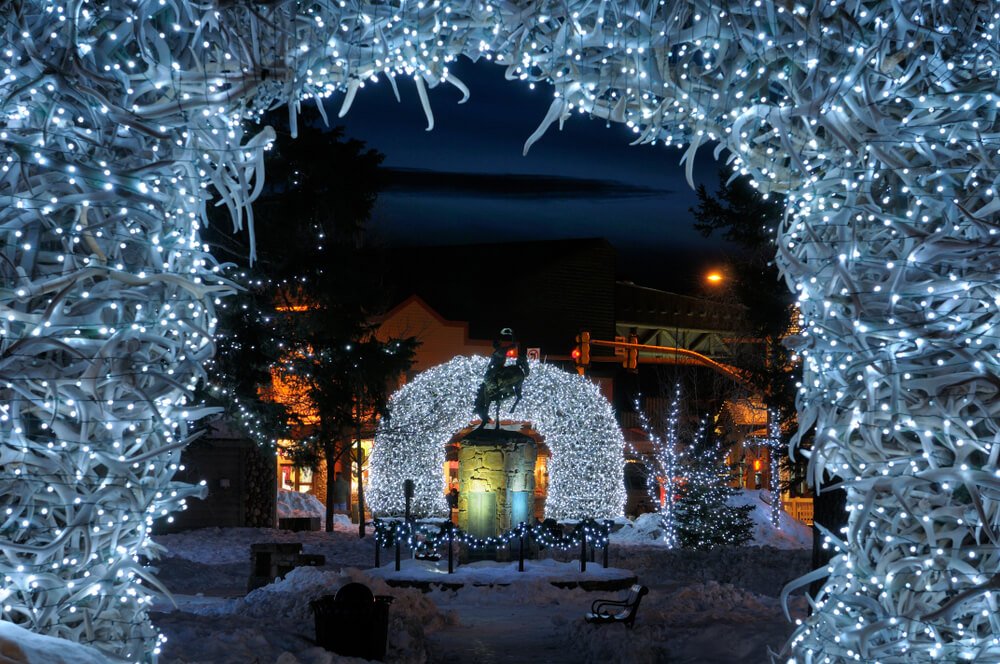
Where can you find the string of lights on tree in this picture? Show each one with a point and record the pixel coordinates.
(567, 410)
(774, 462)
(704, 517)
(666, 469)
(122, 120)
(695, 481)
(263, 420)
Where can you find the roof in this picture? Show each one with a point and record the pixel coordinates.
(546, 291)
(639, 305)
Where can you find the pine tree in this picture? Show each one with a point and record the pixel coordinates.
(704, 518)
(298, 357)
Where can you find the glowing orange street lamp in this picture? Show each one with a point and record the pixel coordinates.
(714, 277)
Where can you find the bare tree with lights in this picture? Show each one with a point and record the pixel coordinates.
(663, 469)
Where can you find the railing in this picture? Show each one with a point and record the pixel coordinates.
(424, 538)
(799, 508)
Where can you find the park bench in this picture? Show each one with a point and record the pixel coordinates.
(604, 611)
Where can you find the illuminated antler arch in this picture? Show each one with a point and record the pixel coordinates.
(586, 471)
(121, 120)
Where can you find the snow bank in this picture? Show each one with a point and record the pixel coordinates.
(219, 546)
(645, 529)
(19, 646)
(791, 534)
(762, 570)
(707, 623)
(704, 607)
(487, 572)
(411, 615)
(293, 504)
(275, 623)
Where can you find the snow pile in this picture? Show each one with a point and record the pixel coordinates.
(218, 546)
(411, 614)
(707, 623)
(792, 534)
(343, 523)
(711, 602)
(704, 607)
(487, 572)
(644, 530)
(19, 646)
(276, 624)
(761, 570)
(292, 504)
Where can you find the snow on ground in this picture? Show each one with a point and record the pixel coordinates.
(486, 572)
(232, 545)
(298, 504)
(703, 607)
(791, 533)
(713, 607)
(19, 646)
(701, 623)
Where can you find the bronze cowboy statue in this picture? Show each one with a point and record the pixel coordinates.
(501, 381)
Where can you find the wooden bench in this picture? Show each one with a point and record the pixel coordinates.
(623, 611)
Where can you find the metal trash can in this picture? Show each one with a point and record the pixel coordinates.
(354, 623)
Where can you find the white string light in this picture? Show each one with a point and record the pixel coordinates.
(586, 470)
(121, 120)
(665, 460)
(704, 517)
(773, 444)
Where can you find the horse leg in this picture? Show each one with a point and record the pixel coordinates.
(517, 400)
(482, 409)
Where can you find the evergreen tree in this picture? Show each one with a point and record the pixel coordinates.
(704, 518)
(297, 349)
(744, 217)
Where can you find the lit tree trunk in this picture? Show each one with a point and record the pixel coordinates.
(361, 489)
(330, 459)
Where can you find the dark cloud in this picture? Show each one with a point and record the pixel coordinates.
(425, 182)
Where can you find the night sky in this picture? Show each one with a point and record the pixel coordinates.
(466, 182)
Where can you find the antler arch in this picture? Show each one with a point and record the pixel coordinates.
(122, 120)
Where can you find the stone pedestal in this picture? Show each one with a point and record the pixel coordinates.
(496, 481)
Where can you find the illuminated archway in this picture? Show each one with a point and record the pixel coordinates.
(121, 120)
(578, 424)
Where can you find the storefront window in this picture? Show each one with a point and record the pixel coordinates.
(292, 478)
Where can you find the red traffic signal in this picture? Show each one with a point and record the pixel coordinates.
(581, 351)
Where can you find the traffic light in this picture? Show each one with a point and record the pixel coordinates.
(581, 352)
(632, 353)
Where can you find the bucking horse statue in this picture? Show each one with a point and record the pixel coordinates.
(501, 381)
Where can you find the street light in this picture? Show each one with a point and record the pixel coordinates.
(714, 277)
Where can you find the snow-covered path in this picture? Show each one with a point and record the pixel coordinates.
(504, 631)
(717, 607)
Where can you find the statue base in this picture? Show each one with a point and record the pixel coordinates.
(496, 484)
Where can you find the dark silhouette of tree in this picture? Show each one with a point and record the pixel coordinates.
(298, 350)
(741, 215)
